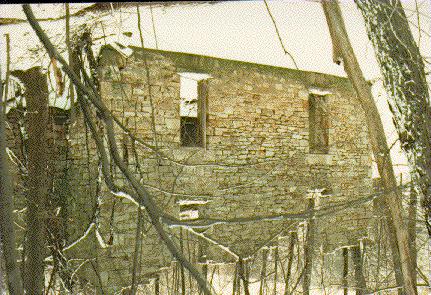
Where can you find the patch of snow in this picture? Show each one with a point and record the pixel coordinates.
(100, 240)
(90, 227)
(189, 215)
(225, 248)
(124, 51)
(192, 202)
(125, 196)
(195, 76)
(319, 91)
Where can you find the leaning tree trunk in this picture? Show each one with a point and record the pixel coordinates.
(36, 95)
(136, 191)
(404, 78)
(376, 135)
(7, 231)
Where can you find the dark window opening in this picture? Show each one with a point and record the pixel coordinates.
(190, 135)
(319, 124)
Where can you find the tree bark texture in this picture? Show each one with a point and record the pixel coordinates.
(395, 253)
(381, 207)
(37, 119)
(7, 231)
(361, 286)
(36, 95)
(376, 136)
(412, 228)
(404, 78)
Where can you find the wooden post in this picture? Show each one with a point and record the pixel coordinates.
(202, 258)
(136, 268)
(275, 269)
(243, 277)
(308, 250)
(189, 252)
(183, 279)
(6, 86)
(202, 111)
(174, 278)
(345, 270)
(263, 270)
(157, 285)
(235, 276)
(293, 237)
(359, 275)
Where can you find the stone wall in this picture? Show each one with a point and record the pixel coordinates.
(256, 161)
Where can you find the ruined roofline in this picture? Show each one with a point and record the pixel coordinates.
(202, 63)
(100, 7)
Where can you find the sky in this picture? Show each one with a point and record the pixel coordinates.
(239, 30)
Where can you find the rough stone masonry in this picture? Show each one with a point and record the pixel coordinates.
(255, 158)
(258, 141)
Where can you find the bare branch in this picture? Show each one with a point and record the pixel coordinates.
(144, 197)
(279, 36)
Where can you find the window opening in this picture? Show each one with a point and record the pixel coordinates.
(190, 135)
(319, 124)
(193, 96)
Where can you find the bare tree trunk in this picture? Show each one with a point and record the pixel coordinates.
(404, 78)
(345, 270)
(308, 251)
(413, 202)
(235, 279)
(263, 270)
(395, 252)
(7, 231)
(276, 258)
(2, 287)
(157, 285)
(138, 245)
(37, 111)
(405, 81)
(376, 135)
(390, 231)
(293, 237)
(139, 192)
(202, 258)
(183, 277)
(361, 285)
(6, 81)
(69, 52)
(243, 277)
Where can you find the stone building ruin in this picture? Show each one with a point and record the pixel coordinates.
(245, 147)
(263, 173)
